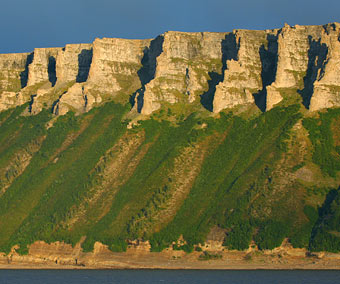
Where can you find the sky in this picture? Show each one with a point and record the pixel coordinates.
(26, 24)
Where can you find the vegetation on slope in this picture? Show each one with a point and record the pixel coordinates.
(325, 154)
(240, 185)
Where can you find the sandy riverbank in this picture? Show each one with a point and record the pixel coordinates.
(63, 256)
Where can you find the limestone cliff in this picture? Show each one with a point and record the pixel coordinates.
(327, 85)
(43, 67)
(242, 77)
(73, 62)
(182, 68)
(13, 77)
(217, 70)
(115, 65)
(308, 57)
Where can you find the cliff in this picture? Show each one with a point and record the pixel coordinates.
(198, 142)
(217, 70)
(13, 77)
(182, 69)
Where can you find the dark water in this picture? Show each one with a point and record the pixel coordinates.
(165, 276)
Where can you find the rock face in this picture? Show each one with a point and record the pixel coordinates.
(13, 77)
(73, 62)
(75, 99)
(308, 60)
(115, 65)
(327, 85)
(182, 68)
(293, 47)
(218, 70)
(242, 77)
(43, 67)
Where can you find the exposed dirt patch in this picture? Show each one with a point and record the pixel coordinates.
(4, 118)
(18, 164)
(186, 168)
(180, 177)
(71, 138)
(112, 171)
(335, 127)
(9, 140)
(280, 187)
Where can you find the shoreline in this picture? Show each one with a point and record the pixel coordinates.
(65, 257)
(128, 262)
(233, 268)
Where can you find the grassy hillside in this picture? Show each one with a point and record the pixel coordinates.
(264, 177)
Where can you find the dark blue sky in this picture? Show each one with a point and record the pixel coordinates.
(26, 24)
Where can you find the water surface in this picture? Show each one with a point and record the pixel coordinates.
(168, 276)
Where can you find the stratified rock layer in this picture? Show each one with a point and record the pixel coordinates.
(218, 70)
(115, 65)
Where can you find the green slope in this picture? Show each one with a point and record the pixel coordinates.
(89, 176)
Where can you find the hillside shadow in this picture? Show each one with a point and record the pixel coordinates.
(269, 57)
(24, 74)
(147, 72)
(317, 55)
(229, 48)
(324, 210)
(331, 195)
(84, 63)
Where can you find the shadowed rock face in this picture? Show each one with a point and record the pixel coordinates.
(217, 70)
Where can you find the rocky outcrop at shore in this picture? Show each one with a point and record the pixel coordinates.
(63, 256)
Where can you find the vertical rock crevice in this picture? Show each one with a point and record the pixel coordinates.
(24, 74)
(229, 49)
(84, 63)
(148, 70)
(268, 55)
(73, 63)
(317, 55)
(326, 87)
(242, 76)
(293, 63)
(183, 69)
(51, 70)
(43, 66)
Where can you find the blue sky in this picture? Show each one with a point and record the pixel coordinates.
(26, 24)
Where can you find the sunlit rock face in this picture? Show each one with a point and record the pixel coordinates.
(73, 63)
(242, 76)
(219, 71)
(115, 65)
(184, 64)
(13, 77)
(43, 67)
(326, 88)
